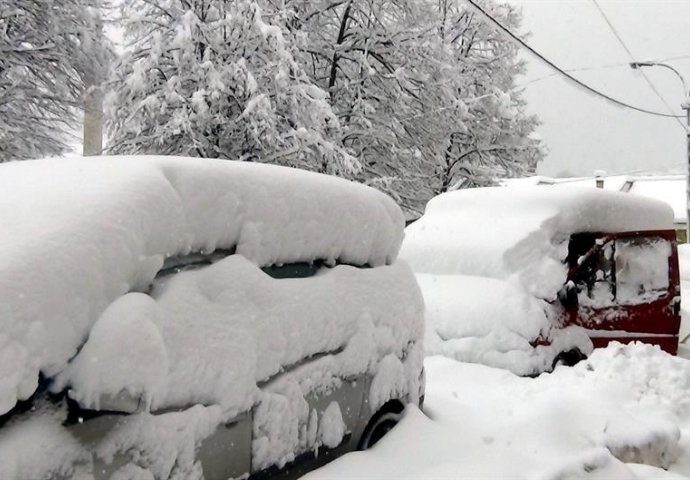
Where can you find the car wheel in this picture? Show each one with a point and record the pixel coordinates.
(568, 358)
(380, 424)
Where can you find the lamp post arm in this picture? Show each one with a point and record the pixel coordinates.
(685, 85)
(686, 93)
(686, 108)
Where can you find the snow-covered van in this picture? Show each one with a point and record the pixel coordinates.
(525, 278)
(189, 318)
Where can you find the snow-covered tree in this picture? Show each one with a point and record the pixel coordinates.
(370, 57)
(215, 78)
(494, 138)
(422, 88)
(414, 97)
(47, 49)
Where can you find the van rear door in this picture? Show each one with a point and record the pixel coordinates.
(627, 287)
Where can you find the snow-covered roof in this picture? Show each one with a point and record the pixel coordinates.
(79, 233)
(498, 232)
(611, 182)
(669, 188)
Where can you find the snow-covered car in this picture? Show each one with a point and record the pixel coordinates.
(189, 318)
(528, 278)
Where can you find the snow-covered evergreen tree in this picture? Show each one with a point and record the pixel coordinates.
(47, 49)
(214, 78)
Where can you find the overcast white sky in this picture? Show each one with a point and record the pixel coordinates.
(584, 133)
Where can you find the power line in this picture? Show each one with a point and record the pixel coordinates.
(679, 57)
(632, 58)
(561, 71)
(577, 69)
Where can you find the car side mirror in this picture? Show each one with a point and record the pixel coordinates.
(567, 295)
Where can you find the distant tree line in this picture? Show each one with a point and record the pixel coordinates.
(414, 97)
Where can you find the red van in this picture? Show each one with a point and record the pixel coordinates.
(624, 287)
(527, 278)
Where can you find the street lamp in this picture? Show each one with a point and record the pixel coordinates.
(685, 106)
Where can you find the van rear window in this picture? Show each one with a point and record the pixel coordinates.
(621, 271)
(642, 269)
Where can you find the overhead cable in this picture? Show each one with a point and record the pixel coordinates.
(633, 59)
(562, 72)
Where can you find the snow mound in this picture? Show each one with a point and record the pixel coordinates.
(646, 400)
(653, 377)
(492, 321)
(79, 233)
(500, 232)
(625, 403)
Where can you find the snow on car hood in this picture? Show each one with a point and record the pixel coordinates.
(500, 232)
(79, 233)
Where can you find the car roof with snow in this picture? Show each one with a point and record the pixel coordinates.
(80, 233)
(497, 232)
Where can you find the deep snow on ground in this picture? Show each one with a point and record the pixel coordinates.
(621, 414)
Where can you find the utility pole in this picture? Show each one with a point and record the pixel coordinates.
(93, 97)
(686, 107)
(93, 122)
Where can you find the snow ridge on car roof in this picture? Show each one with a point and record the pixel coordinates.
(78, 233)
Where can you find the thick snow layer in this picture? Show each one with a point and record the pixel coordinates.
(39, 447)
(209, 335)
(79, 233)
(624, 414)
(492, 321)
(500, 232)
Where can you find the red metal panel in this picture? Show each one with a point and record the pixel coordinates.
(661, 316)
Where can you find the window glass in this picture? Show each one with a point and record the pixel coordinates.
(641, 269)
(625, 271)
(595, 279)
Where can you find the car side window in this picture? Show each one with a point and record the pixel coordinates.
(195, 261)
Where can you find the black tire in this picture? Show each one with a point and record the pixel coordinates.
(568, 358)
(380, 424)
